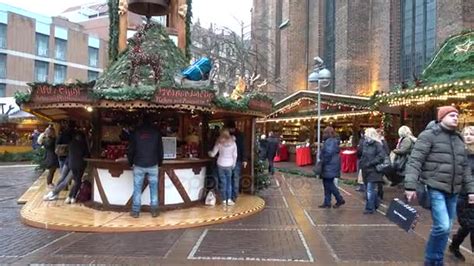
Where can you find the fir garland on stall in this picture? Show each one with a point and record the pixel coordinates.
(113, 29)
(189, 16)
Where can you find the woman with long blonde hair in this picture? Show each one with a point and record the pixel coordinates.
(465, 211)
(402, 152)
(372, 154)
(227, 149)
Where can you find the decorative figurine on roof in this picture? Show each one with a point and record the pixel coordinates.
(4, 115)
(418, 81)
(239, 90)
(139, 58)
(195, 75)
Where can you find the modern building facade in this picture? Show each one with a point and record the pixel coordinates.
(368, 45)
(36, 48)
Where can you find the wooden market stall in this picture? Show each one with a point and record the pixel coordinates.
(113, 106)
(447, 80)
(294, 118)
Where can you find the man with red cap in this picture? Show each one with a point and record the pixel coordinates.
(439, 161)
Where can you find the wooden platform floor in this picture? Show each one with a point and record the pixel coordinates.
(57, 215)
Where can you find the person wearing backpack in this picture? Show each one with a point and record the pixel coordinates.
(439, 162)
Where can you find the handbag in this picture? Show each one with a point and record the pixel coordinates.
(384, 166)
(318, 168)
(61, 150)
(402, 214)
(423, 195)
(400, 162)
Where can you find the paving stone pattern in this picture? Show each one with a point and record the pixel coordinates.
(257, 244)
(277, 235)
(153, 244)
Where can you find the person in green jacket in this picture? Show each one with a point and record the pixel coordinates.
(439, 161)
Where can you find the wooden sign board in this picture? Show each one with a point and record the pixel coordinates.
(182, 96)
(260, 105)
(49, 94)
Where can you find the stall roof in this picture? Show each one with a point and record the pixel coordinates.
(16, 112)
(325, 97)
(448, 77)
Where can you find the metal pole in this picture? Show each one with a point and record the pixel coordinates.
(319, 122)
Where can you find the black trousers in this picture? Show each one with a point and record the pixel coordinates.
(459, 237)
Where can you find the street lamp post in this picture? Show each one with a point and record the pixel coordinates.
(322, 77)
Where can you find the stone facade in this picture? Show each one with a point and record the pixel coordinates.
(368, 39)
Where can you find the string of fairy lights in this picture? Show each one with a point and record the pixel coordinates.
(325, 117)
(459, 90)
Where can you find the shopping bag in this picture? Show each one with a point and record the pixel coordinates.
(210, 198)
(402, 214)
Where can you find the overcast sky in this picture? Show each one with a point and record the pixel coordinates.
(226, 13)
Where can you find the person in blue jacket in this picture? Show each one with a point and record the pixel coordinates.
(331, 168)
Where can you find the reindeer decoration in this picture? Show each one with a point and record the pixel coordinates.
(4, 115)
(138, 57)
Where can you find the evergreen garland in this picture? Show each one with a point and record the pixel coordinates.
(113, 29)
(189, 16)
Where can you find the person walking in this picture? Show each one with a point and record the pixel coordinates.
(331, 168)
(465, 211)
(439, 161)
(372, 154)
(78, 150)
(402, 152)
(272, 149)
(34, 139)
(226, 147)
(51, 159)
(145, 156)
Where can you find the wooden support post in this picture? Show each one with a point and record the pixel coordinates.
(123, 26)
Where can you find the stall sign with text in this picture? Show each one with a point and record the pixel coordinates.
(49, 94)
(177, 96)
(260, 105)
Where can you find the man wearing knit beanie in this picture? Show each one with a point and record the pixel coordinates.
(445, 110)
(439, 162)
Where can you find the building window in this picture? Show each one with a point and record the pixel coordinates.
(3, 90)
(42, 44)
(92, 75)
(41, 71)
(93, 57)
(418, 36)
(59, 73)
(3, 66)
(60, 49)
(3, 35)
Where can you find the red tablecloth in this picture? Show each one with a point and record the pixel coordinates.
(282, 154)
(349, 160)
(303, 156)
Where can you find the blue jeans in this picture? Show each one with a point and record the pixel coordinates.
(236, 180)
(64, 179)
(329, 190)
(443, 212)
(372, 202)
(138, 178)
(225, 182)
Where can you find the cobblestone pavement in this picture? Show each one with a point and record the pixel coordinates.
(291, 230)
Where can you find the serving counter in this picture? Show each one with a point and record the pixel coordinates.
(181, 183)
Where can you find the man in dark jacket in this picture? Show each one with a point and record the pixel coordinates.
(272, 148)
(241, 158)
(439, 161)
(145, 155)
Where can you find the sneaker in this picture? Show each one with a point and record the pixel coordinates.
(368, 212)
(50, 196)
(224, 202)
(455, 251)
(230, 203)
(339, 204)
(68, 200)
(51, 186)
(73, 200)
(155, 213)
(134, 214)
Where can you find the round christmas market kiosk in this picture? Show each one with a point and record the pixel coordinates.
(447, 80)
(145, 79)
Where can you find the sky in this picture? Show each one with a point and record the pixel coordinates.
(224, 13)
